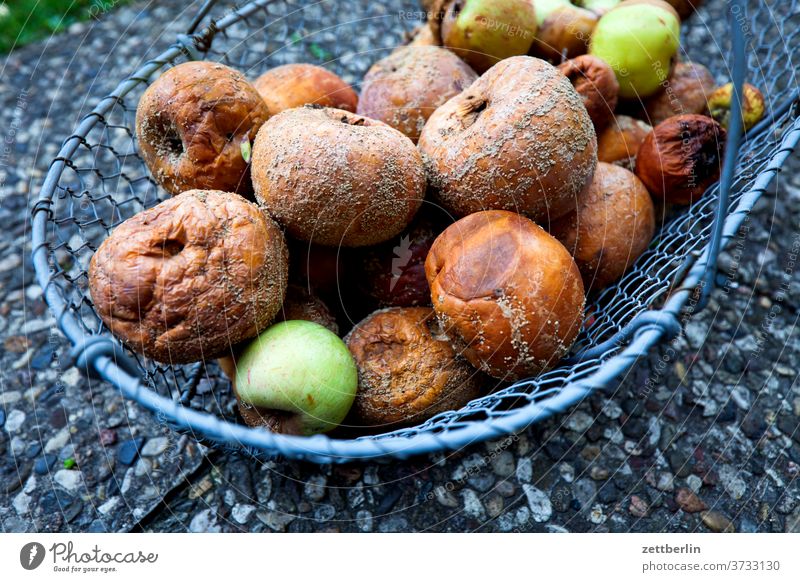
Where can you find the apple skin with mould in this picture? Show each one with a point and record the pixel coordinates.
(298, 376)
(639, 39)
(483, 32)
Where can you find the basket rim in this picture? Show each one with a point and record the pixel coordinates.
(111, 365)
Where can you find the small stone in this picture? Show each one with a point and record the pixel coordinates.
(393, 524)
(524, 471)
(717, 522)
(472, 505)
(18, 446)
(694, 482)
(57, 442)
(505, 488)
(128, 451)
(14, 421)
(494, 505)
(205, 522)
(598, 473)
(2, 418)
(142, 468)
(241, 512)
(69, 480)
(584, 490)
(596, 515)
(665, 482)
(314, 489)
(44, 463)
(155, 446)
(503, 464)
(22, 503)
(689, 501)
(324, 512)
(108, 506)
(10, 397)
(107, 437)
(538, 502)
(733, 483)
(638, 507)
(444, 497)
(275, 520)
(364, 521)
(579, 421)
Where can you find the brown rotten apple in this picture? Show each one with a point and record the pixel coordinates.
(298, 84)
(332, 177)
(191, 125)
(517, 139)
(620, 141)
(613, 226)
(681, 158)
(509, 296)
(597, 85)
(405, 88)
(686, 91)
(407, 370)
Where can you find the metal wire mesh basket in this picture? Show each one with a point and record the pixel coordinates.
(98, 180)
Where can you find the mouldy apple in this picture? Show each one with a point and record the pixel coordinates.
(563, 29)
(483, 32)
(297, 378)
(639, 39)
(752, 103)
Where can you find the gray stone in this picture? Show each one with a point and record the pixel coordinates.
(364, 520)
(155, 446)
(69, 480)
(14, 421)
(503, 464)
(472, 505)
(241, 512)
(732, 482)
(314, 489)
(524, 471)
(538, 502)
(205, 522)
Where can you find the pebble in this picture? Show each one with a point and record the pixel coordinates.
(57, 442)
(128, 451)
(393, 524)
(472, 505)
(598, 473)
(579, 421)
(314, 489)
(241, 512)
(717, 522)
(44, 463)
(18, 446)
(364, 520)
(107, 437)
(689, 501)
(2, 418)
(324, 512)
(524, 472)
(596, 515)
(793, 522)
(14, 421)
(494, 505)
(205, 522)
(538, 502)
(732, 482)
(10, 397)
(665, 482)
(638, 507)
(584, 490)
(108, 506)
(275, 520)
(503, 464)
(444, 497)
(694, 482)
(155, 446)
(69, 480)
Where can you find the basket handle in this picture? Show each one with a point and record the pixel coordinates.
(734, 140)
(201, 14)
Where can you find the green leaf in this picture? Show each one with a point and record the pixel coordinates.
(246, 149)
(69, 463)
(319, 52)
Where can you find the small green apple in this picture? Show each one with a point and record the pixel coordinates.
(483, 32)
(639, 39)
(300, 374)
(544, 8)
(599, 6)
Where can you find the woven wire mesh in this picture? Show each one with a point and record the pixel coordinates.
(105, 181)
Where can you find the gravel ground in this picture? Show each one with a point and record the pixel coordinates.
(715, 447)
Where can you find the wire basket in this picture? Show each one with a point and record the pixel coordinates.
(98, 180)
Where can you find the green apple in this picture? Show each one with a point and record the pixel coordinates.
(483, 32)
(638, 39)
(300, 373)
(544, 8)
(600, 6)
